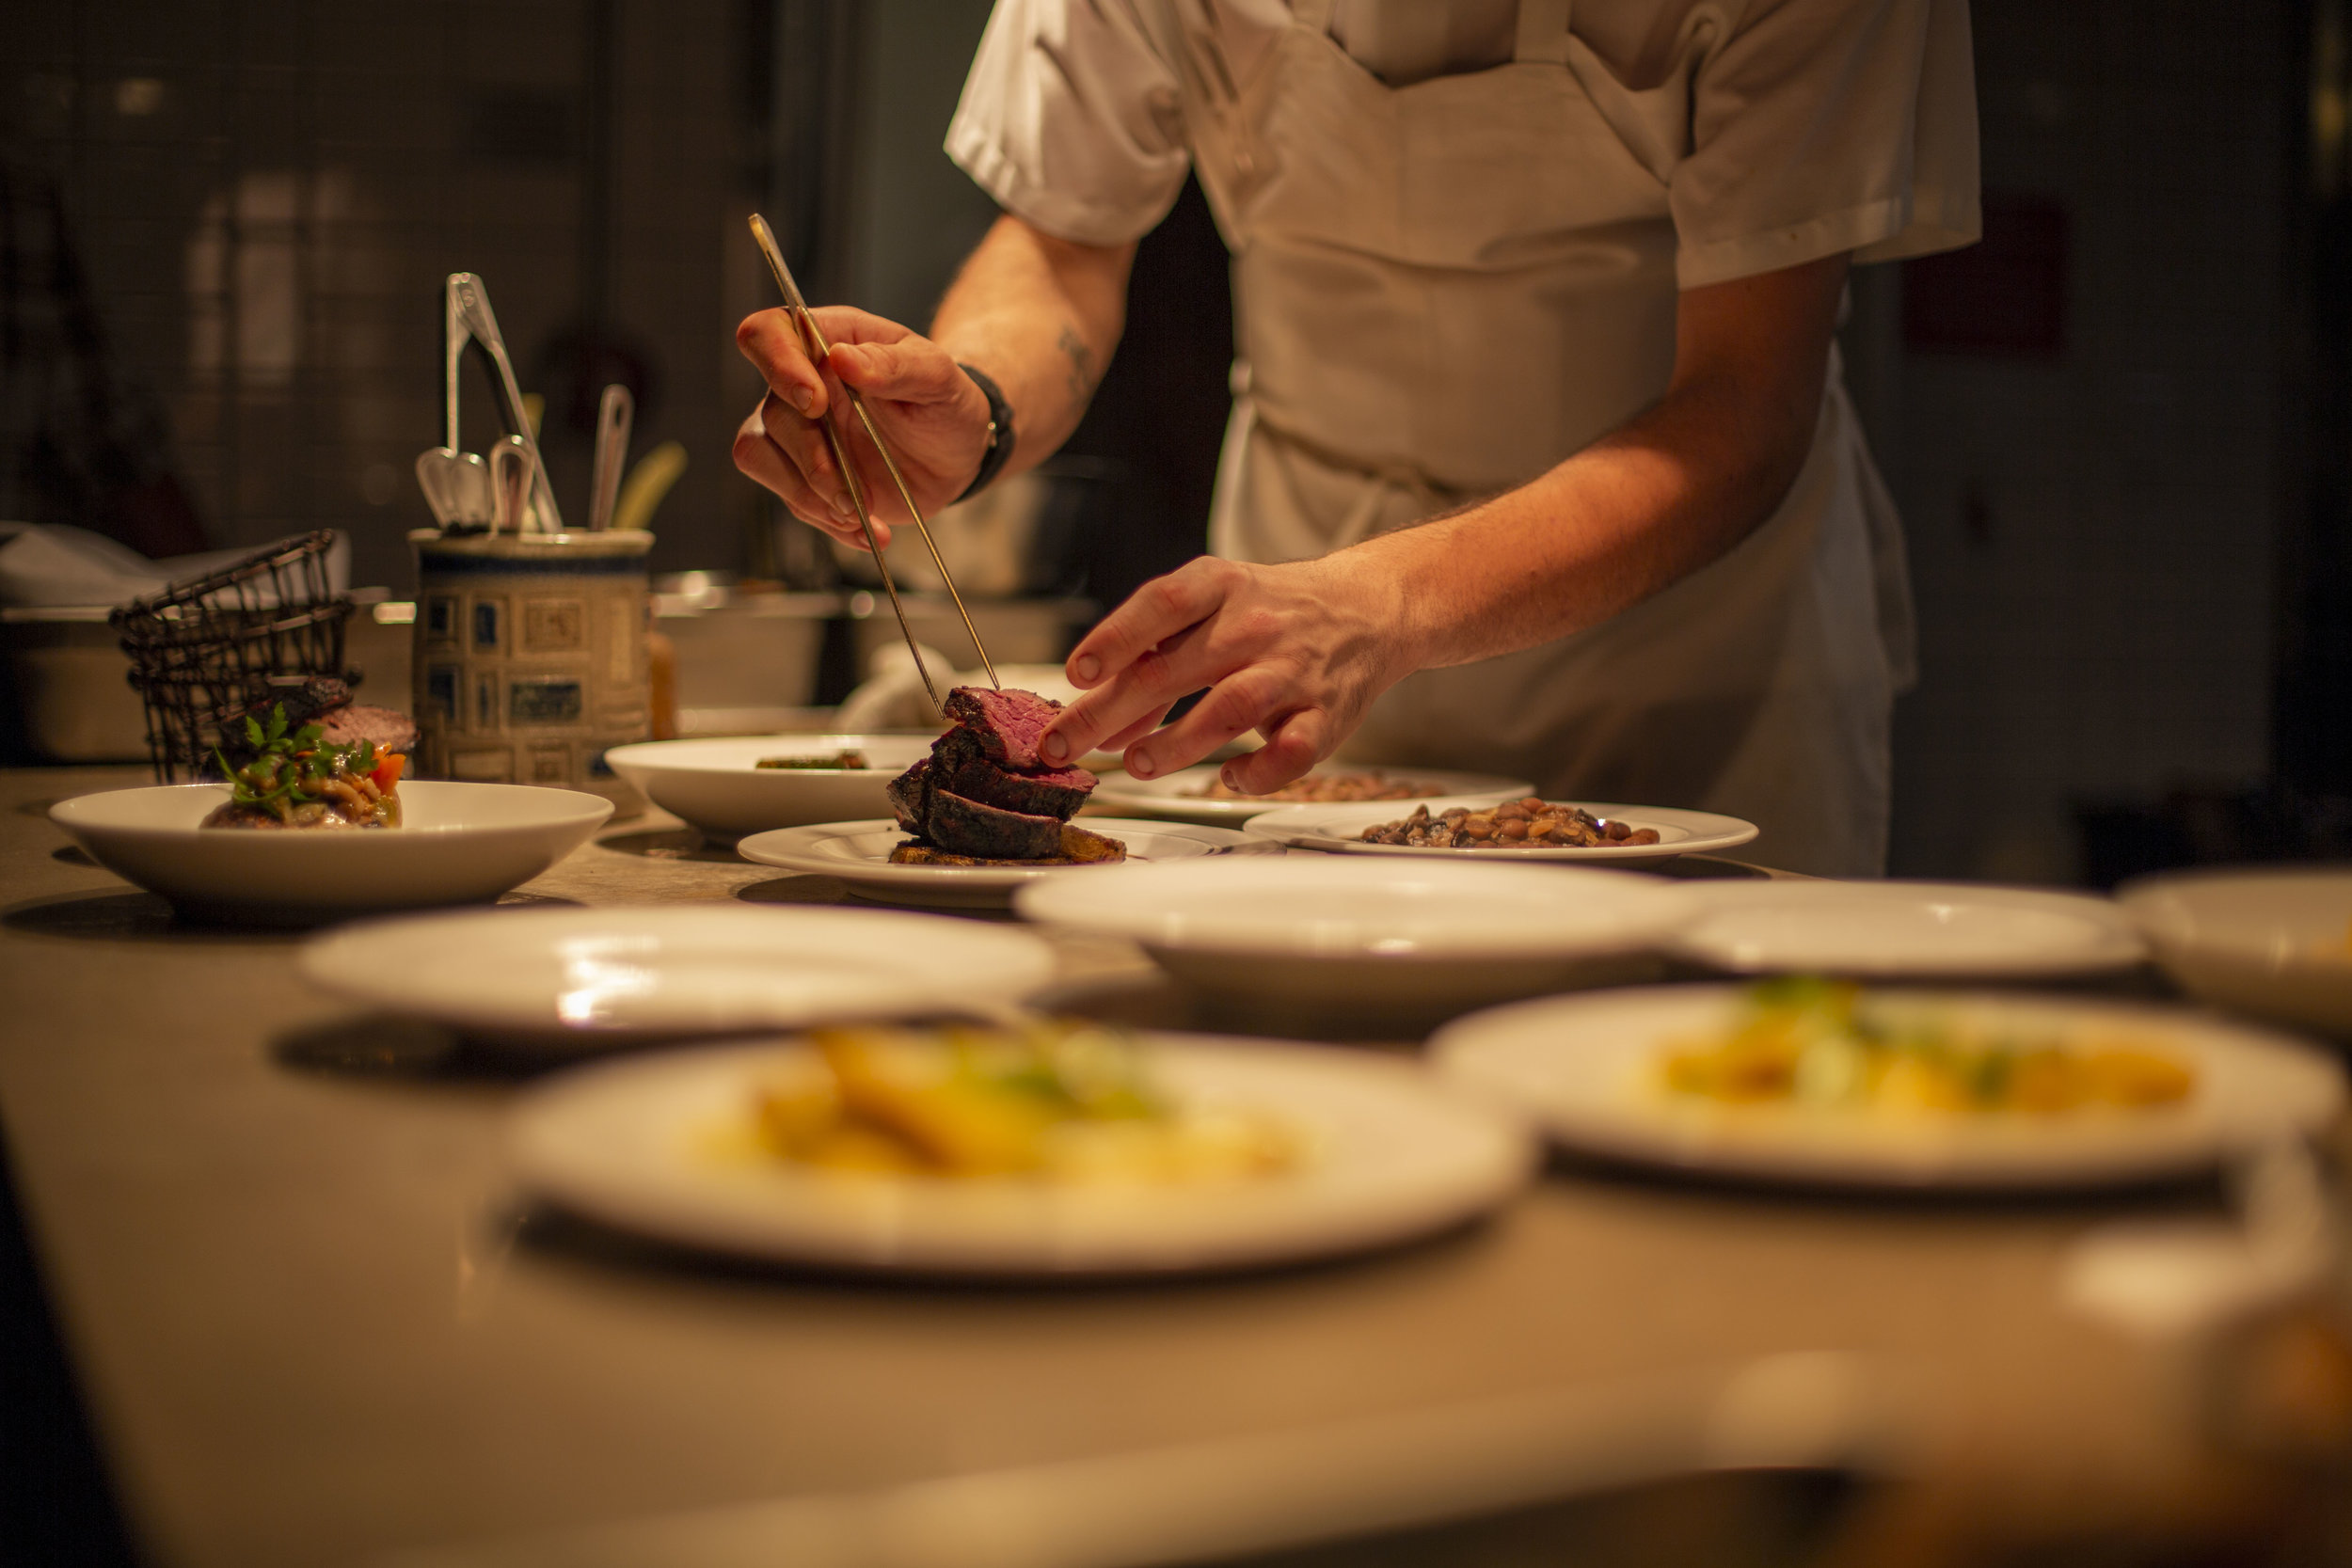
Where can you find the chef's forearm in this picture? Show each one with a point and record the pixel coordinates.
(1669, 491)
(1040, 317)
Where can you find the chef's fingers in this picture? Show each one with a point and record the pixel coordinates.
(1150, 682)
(913, 370)
(1153, 613)
(1250, 698)
(846, 323)
(810, 448)
(1133, 732)
(759, 455)
(772, 343)
(1294, 744)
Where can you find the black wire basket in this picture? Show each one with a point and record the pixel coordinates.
(205, 650)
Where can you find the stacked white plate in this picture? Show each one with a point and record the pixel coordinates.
(2275, 942)
(719, 786)
(1410, 941)
(581, 979)
(1916, 929)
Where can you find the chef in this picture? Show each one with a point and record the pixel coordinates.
(1540, 461)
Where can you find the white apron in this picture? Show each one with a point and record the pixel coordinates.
(1443, 289)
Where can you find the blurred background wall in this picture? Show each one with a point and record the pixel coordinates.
(2116, 429)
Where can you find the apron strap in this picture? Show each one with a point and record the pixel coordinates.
(1313, 15)
(1543, 33)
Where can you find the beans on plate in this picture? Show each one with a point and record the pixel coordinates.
(1528, 824)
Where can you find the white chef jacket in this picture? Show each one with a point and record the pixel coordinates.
(1701, 141)
(1817, 126)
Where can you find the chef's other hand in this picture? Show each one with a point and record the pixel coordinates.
(933, 415)
(1295, 652)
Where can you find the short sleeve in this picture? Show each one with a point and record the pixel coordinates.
(1071, 119)
(1822, 126)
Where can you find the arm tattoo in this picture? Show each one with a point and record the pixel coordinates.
(1083, 379)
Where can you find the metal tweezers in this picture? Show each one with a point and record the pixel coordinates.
(813, 340)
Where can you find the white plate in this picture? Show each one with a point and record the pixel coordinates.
(609, 976)
(1880, 930)
(2275, 942)
(458, 843)
(1584, 1068)
(1421, 939)
(1392, 1156)
(858, 854)
(1171, 795)
(1341, 827)
(719, 786)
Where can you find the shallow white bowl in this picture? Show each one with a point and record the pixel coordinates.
(1919, 929)
(458, 843)
(1585, 1067)
(1339, 829)
(645, 1144)
(858, 854)
(1362, 938)
(574, 979)
(2276, 943)
(719, 786)
(1175, 795)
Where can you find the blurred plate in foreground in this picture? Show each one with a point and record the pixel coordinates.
(666, 1146)
(1592, 1071)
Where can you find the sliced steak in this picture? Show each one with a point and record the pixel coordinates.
(963, 827)
(1006, 724)
(962, 765)
(1078, 847)
(909, 796)
(389, 728)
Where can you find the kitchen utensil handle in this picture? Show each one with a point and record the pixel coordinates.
(615, 413)
(474, 300)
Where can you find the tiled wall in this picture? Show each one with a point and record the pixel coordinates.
(268, 194)
(2093, 537)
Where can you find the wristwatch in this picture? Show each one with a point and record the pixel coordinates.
(1000, 435)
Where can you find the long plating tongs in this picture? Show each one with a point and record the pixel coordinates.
(818, 350)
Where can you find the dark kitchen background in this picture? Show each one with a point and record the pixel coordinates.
(2121, 429)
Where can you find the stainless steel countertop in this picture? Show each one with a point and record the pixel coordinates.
(313, 1326)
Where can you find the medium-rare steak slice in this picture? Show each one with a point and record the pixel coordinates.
(1006, 724)
(909, 796)
(960, 765)
(963, 827)
(1079, 847)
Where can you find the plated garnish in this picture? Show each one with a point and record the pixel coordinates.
(1326, 786)
(1058, 1101)
(1811, 1042)
(302, 780)
(1526, 824)
(836, 760)
(985, 797)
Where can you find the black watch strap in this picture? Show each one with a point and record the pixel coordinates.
(1000, 438)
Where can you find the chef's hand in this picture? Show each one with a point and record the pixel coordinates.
(933, 415)
(1295, 652)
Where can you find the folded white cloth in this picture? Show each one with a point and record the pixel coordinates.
(50, 565)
